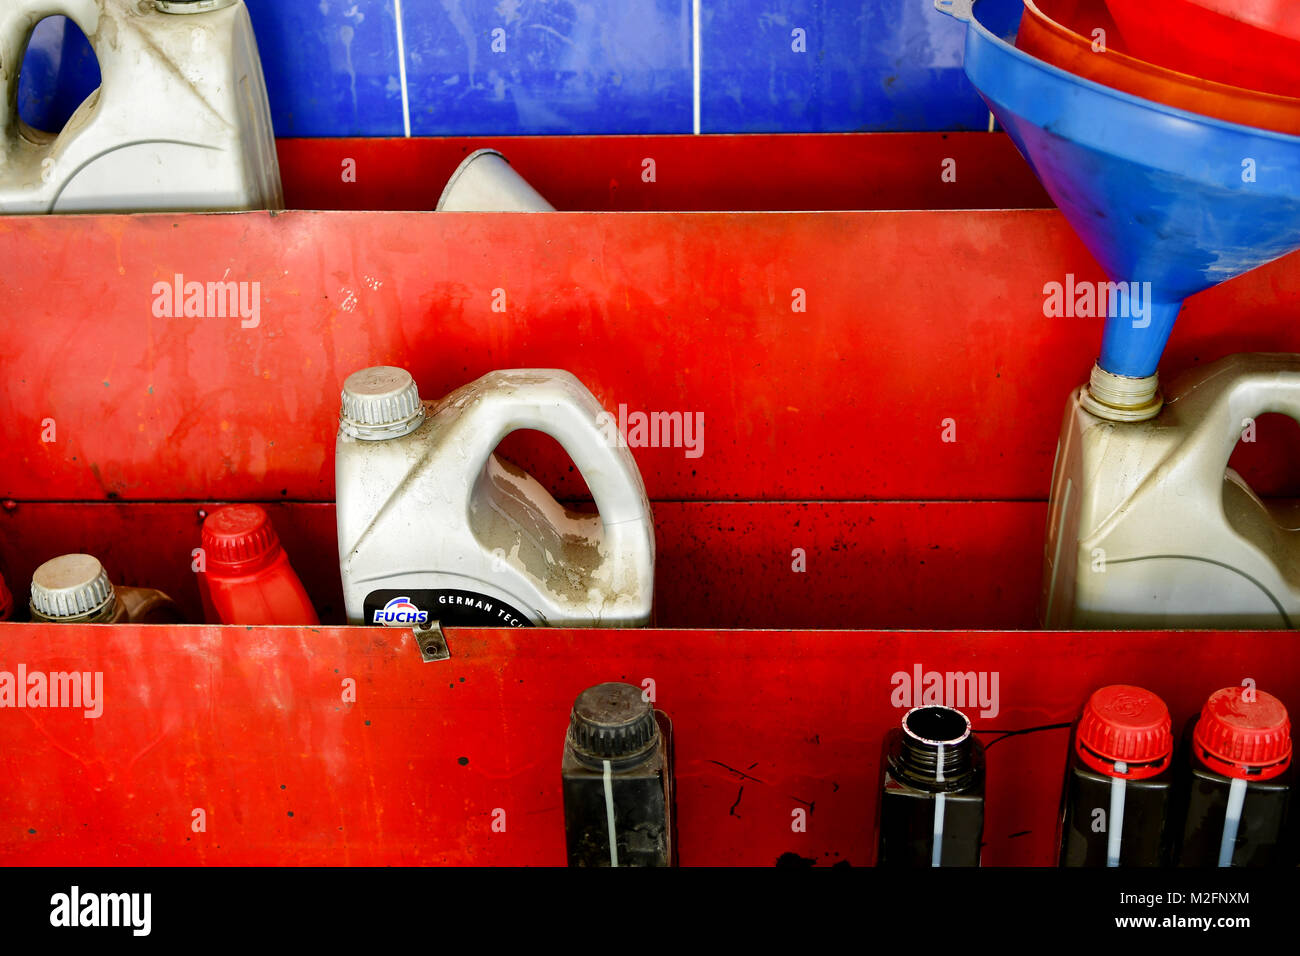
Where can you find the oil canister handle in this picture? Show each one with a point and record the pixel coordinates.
(554, 402)
(1253, 384)
(957, 9)
(18, 18)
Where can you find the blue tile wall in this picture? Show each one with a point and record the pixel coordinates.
(334, 67)
(331, 66)
(831, 66)
(548, 66)
(59, 71)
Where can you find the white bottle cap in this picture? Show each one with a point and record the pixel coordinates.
(380, 402)
(71, 585)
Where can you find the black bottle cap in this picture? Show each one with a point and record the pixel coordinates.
(612, 722)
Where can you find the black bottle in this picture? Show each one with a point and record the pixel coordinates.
(1236, 782)
(1119, 782)
(932, 795)
(618, 781)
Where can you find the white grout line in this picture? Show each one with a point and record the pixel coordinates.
(401, 68)
(695, 58)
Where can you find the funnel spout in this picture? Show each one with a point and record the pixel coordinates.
(1134, 338)
(1164, 199)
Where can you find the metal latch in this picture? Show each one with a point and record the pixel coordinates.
(432, 643)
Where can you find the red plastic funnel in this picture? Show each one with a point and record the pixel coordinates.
(1079, 36)
(1253, 44)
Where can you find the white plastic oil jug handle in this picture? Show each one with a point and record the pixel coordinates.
(1249, 385)
(554, 402)
(18, 18)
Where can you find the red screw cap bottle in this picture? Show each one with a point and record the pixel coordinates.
(1125, 731)
(1238, 778)
(248, 578)
(1243, 734)
(1119, 784)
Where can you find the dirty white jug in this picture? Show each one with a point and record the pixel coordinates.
(433, 526)
(180, 120)
(1149, 528)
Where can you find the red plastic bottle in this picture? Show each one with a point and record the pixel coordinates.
(1119, 785)
(249, 579)
(1238, 783)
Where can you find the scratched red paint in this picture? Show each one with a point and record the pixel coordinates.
(250, 725)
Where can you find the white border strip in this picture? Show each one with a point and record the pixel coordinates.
(401, 69)
(695, 63)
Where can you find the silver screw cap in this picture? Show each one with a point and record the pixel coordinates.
(71, 585)
(380, 402)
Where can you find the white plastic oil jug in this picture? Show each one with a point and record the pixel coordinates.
(1149, 528)
(433, 526)
(180, 120)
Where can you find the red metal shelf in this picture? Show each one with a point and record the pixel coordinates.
(250, 726)
(696, 173)
(719, 564)
(824, 431)
(912, 318)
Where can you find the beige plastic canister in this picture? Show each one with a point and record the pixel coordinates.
(1149, 528)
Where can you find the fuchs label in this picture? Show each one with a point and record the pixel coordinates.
(450, 608)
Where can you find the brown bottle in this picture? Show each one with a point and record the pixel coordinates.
(617, 777)
(74, 589)
(932, 791)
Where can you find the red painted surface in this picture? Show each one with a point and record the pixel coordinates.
(823, 432)
(719, 564)
(913, 318)
(250, 726)
(609, 173)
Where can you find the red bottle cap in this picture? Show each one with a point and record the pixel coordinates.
(1243, 733)
(6, 601)
(239, 539)
(1125, 731)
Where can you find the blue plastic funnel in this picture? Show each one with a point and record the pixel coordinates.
(1157, 194)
